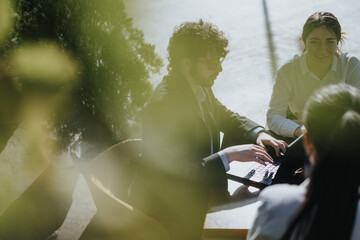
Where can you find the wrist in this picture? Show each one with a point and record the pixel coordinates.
(299, 130)
(224, 160)
(257, 132)
(228, 153)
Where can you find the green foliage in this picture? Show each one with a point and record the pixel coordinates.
(114, 60)
(6, 14)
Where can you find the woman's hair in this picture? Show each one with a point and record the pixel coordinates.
(322, 19)
(332, 120)
(193, 40)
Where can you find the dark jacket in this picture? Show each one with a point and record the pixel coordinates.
(176, 172)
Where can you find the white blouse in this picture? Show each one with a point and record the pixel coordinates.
(278, 205)
(295, 83)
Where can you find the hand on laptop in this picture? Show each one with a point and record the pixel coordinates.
(246, 153)
(265, 139)
(267, 178)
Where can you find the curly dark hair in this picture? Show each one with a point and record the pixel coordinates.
(193, 40)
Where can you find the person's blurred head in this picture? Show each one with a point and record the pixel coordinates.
(332, 120)
(201, 46)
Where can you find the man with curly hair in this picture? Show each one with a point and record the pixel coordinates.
(182, 163)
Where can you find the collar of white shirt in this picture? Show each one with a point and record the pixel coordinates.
(304, 68)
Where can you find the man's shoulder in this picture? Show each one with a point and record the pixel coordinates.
(161, 91)
(168, 98)
(158, 102)
(167, 88)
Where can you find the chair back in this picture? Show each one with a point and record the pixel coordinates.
(115, 167)
(109, 178)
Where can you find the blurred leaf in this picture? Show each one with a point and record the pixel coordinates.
(6, 19)
(115, 64)
(43, 65)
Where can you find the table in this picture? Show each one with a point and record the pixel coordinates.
(234, 218)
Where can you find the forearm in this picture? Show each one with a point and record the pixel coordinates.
(281, 125)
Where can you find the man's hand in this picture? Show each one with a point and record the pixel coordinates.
(265, 139)
(246, 153)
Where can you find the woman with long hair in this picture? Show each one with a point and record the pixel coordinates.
(320, 64)
(325, 206)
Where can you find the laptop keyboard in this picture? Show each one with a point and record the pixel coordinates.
(262, 173)
(258, 175)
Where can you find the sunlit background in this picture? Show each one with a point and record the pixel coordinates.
(246, 81)
(79, 74)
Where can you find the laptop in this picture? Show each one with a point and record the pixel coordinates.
(260, 176)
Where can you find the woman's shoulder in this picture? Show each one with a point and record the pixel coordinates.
(289, 64)
(278, 204)
(283, 195)
(348, 58)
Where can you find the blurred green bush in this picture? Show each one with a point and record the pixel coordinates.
(90, 43)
